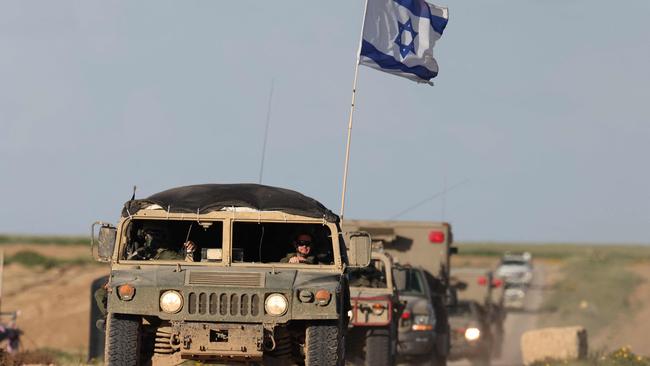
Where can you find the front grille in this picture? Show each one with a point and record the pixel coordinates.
(221, 303)
(226, 279)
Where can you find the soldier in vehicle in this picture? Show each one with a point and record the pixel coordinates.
(303, 254)
(151, 242)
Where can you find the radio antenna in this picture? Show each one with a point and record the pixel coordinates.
(266, 132)
(430, 198)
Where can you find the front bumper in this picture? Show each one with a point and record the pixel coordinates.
(416, 343)
(214, 341)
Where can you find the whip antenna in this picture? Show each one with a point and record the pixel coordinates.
(438, 194)
(266, 132)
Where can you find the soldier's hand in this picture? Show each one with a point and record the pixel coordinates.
(189, 246)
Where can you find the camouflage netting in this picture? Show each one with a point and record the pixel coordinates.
(204, 198)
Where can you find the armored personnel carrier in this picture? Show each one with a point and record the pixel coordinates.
(227, 273)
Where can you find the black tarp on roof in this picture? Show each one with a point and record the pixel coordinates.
(213, 197)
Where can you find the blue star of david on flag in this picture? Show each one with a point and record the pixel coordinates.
(391, 43)
(404, 49)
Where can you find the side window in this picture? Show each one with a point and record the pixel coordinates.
(174, 240)
(270, 242)
(372, 276)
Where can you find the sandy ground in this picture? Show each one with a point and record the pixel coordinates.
(630, 331)
(54, 251)
(54, 304)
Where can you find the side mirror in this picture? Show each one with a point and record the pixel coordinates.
(359, 248)
(105, 241)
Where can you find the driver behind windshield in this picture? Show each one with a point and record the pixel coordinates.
(303, 244)
(151, 242)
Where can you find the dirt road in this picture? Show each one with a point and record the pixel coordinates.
(519, 322)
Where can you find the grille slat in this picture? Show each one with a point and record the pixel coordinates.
(239, 279)
(223, 303)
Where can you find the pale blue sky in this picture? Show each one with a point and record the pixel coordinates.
(542, 105)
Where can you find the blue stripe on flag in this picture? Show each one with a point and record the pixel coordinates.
(421, 9)
(388, 62)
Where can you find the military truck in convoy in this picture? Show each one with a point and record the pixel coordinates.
(477, 316)
(372, 337)
(423, 250)
(227, 273)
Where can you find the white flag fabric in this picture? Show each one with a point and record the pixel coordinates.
(399, 35)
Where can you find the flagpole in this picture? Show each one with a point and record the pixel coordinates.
(354, 93)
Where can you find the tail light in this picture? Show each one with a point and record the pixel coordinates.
(436, 236)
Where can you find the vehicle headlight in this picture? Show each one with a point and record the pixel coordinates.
(472, 334)
(171, 302)
(275, 304)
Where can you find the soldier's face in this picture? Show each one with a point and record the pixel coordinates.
(303, 243)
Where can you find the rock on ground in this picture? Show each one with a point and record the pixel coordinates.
(567, 343)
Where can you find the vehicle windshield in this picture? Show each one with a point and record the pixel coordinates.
(513, 263)
(252, 242)
(409, 281)
(273, 242)
(173, 240)
(372, 276)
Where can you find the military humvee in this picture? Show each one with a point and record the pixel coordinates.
(231, 296)
(372, 338)
(478, 316)
(426, 246)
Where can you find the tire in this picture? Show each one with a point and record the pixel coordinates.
(122, 340)
(379, 347)
(324, 345)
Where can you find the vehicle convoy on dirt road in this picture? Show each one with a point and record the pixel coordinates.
(477, 316)
(372, 337)
(227, 272)
(423, 250)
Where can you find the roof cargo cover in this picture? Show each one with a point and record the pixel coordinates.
(204, 198)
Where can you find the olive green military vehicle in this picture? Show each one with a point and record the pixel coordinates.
(372, 338)
(477, 316)
(426, 249)
(211, 273)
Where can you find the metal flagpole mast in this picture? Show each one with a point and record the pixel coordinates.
(354, 93)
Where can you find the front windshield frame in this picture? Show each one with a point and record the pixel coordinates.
(227, 218)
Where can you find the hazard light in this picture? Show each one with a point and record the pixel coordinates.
(497, 282)
(436, 236)
(482, 281)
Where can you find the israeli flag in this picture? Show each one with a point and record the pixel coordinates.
(399, 35)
